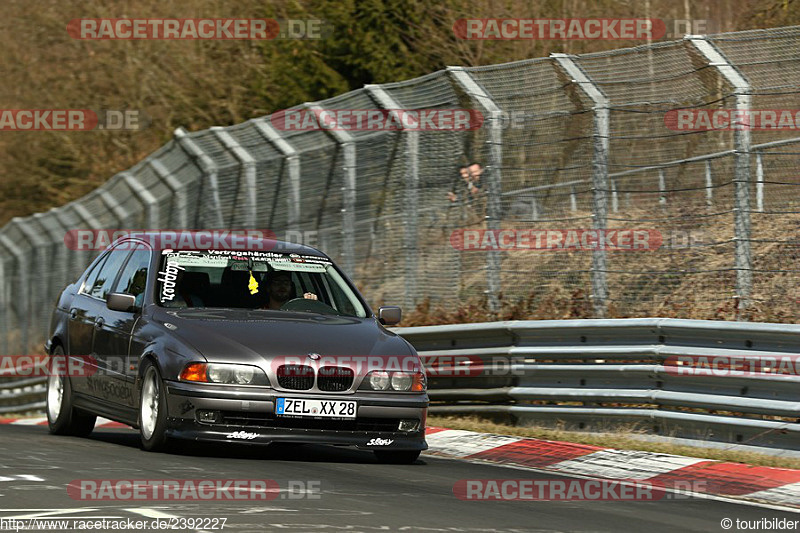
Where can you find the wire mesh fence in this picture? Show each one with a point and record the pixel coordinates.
(568, 143)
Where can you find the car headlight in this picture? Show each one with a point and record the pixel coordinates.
(224, 373)
(401, 381)
(379, 380)
(394, 381)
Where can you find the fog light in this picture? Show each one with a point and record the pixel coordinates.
(208, 417)
(408, 425)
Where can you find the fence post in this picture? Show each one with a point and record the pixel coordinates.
(293, 163)
(759, 182)
(113, 205)
(58, 256)
(741, 141)
(662, 188)
(71, 262)
(573, 201)
(5, 320)
(614, 197)
(247, 175)
(348, 147)
(180, 206)
(493, 174)
(410, 196)
(22, 298)
(209, 170)
(39, 289)
(709, 185)
(145, 197)
(83, 214)
(599, 173)
(59, 249)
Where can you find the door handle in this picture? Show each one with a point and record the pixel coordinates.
(73, 314)
(99, 323)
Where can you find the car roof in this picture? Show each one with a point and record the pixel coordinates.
(155, 239)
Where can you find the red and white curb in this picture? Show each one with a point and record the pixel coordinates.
(776, 486)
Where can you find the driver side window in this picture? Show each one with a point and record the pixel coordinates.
(108, 274)
(133, 279)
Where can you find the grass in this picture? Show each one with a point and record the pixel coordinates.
(620, 438)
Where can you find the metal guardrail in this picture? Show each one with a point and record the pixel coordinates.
(595, 374)
(598, 374)
(21, 396)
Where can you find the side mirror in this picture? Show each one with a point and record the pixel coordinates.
(390, 315)
(118, 301)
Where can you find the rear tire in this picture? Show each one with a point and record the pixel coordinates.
(62, 417)
(153, 410)
(404, 457)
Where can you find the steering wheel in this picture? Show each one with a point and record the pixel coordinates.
(309, 306)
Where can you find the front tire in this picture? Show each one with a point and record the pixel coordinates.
(404, 457)
(153, 411)
(62, 417)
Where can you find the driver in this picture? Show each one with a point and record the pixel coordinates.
(281, 290)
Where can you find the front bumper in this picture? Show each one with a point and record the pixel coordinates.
(248, 416)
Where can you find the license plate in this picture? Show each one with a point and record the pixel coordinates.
(316, 408)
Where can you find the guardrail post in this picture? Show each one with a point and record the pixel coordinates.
(493, 175)
(348, 146)
(145, 197)
(292, 160)
(599, 172)
(180, 207)
(247, 175)
(410, 196)
(209, 170)
(741, 141)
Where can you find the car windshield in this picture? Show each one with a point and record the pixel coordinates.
(254, 280)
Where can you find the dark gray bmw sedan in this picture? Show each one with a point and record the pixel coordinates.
(269, 343)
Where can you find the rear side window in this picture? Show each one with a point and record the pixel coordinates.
(108, 273)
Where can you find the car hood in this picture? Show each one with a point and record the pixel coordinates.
(255, 336)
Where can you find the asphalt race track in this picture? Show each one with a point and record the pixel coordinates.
(355, 492)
